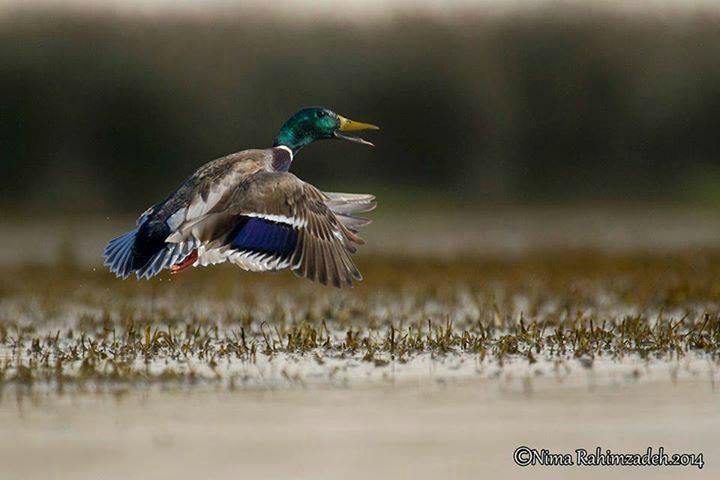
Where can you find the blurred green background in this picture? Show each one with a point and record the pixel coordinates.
(108, 112)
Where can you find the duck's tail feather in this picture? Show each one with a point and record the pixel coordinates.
(171, 255)
(118, 254)
(123, 259)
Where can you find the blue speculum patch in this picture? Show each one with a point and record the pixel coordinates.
(265, 236)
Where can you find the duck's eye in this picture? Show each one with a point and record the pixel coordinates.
(321, 114)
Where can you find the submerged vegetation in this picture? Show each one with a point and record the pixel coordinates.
(64, 327)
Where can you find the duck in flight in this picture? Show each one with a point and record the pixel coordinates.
(247, 209)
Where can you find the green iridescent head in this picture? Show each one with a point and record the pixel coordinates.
(317, 123)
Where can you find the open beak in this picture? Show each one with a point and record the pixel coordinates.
(347, 125)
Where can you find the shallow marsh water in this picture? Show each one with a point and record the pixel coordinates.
(419, 429)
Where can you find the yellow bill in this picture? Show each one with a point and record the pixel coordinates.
(347, 125)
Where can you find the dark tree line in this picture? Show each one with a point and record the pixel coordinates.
(555, 105)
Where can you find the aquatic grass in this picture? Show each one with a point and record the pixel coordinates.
(66, 327)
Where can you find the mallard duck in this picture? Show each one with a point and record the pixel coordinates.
(247, 209)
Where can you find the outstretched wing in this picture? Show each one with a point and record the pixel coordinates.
(345, 206)
(277, 221)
